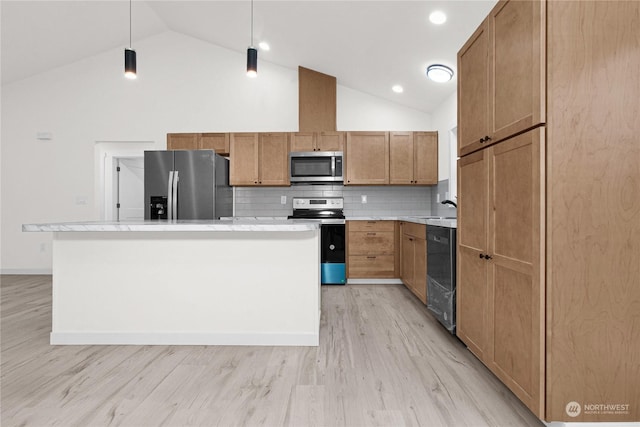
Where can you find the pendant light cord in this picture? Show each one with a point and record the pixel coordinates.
(130, 23)
(251, 24)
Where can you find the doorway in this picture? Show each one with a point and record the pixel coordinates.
(120, 179)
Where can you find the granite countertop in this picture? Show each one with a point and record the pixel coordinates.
(178, 225)
(428, 220)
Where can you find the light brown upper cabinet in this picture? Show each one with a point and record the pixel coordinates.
(330, 141)
(244, 168)
(500, 294)
(259, 159)
(183, 141)
(274, 159)
(413, 158)
(367, 160)
(501, 75)
(317, 141)
(219, 142)
(303, 141)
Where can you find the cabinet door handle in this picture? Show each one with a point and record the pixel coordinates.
(481, 256)
(371, 234)
(371, 257)
(488, 257)
(411, 240)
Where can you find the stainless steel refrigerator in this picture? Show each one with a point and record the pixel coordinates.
(186, 185)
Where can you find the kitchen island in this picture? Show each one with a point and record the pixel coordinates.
(228, 282)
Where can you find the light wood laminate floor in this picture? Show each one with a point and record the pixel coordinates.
(383, 360)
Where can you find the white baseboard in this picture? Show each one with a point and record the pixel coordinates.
(374, 282)
(581, 424)
(26, 271)
(187, 338)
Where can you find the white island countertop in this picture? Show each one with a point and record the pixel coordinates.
(236, 224)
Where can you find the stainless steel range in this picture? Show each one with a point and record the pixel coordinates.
(329, 211)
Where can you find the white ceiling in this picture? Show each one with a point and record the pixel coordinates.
(366, 45)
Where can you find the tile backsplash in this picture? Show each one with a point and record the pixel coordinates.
(437, 208)
(381, 200)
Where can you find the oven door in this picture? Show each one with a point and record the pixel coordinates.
(332, 254)
(315, 167)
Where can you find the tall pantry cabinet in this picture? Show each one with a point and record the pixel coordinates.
(549, 205)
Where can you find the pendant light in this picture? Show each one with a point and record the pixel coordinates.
(252, 53)
(130, 55)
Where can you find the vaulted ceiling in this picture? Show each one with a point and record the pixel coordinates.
(368, 45)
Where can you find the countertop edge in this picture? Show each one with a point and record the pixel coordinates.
(208, 226)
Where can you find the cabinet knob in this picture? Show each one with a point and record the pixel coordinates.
(481, 256)
(488, 257)
(485, 139)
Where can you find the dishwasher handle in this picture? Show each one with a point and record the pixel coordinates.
(438, 239)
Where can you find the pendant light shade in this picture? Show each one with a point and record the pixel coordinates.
(252, 62)
(130, 55)
(130, 63)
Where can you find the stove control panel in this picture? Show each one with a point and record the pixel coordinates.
(318, 203)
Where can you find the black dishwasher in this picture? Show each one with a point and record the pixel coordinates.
(441, 274)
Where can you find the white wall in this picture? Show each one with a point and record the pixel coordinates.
(361, 111)
(444, 118)
(184, 85)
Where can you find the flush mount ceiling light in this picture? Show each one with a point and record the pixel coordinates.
(439, 73)
(397, 89)
(437, 17)
(130, 55)
(252, 53)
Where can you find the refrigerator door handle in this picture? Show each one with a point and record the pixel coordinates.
(170, 196)
(175, 194)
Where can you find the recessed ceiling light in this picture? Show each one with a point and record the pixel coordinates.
(264, 46)
(397, 89)
(438, 17)
(439, 73)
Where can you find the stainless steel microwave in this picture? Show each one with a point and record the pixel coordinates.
(316, 167)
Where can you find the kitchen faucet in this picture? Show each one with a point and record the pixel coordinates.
(449, 202)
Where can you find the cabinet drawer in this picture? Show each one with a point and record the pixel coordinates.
(372, 266)
(371, 243)
(371, 225)
(416, 230)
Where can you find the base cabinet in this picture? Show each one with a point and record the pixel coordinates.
(413, 258)
(371, 249)
(500, 297)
